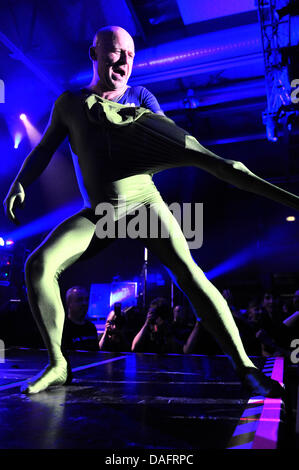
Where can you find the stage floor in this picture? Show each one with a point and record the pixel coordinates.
(137, 401)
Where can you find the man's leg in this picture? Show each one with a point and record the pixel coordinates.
(63, 246)
(207, 301)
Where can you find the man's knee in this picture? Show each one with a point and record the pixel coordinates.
(34, 267)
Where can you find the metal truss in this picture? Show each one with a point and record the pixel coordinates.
(276, 41)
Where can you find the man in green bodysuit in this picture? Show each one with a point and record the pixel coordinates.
(116, 149)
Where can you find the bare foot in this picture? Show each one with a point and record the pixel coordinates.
(57, 374)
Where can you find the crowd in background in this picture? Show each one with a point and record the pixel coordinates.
(267, 326)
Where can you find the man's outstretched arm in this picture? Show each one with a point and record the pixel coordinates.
(237, 174)
(37, 160)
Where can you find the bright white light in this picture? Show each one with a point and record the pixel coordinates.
(23, 117)
(18, 138)
(2, 242)
(9, 242)
(290, 218)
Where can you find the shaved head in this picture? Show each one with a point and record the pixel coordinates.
(106, 34)
(112, 53)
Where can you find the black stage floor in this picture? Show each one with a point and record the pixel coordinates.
(131, 400)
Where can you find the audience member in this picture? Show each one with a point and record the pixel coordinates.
(270, 306)
(157, 335)
(135, 318)
(227, 294)
(269, 330)
(200, 341)
(182, 323)
(117, 335)
(79, 333)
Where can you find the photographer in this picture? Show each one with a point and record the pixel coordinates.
(157, 333)
(115, 337)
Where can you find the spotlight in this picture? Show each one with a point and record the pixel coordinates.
(9, 242)
(2, 242)
(17, 141)
(23, 117)
(290, 218)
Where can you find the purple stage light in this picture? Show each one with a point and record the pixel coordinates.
(9, 242)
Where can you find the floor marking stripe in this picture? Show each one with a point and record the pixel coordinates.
(95, 364)
(266, 436)
(158, 382)
(252, 411)
(87, 366)
(259, 423)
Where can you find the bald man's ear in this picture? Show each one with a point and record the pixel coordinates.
(92, 53)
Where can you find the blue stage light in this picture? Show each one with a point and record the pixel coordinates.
(46, 222)
(274, 241)
(236, 261)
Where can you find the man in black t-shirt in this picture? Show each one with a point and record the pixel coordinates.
(78, 333)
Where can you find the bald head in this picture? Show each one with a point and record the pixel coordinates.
(112, 53)
(107, 33)
(77, 303)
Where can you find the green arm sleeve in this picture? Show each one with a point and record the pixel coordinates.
(39, 158)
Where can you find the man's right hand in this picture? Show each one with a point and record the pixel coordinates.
(15, 198)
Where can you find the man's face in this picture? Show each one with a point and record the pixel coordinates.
(268, 301)
(78, 304)
(255, 313)
(114, 327)
(115, 54)
(179, 314)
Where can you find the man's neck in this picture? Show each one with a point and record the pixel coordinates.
(106, 94)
